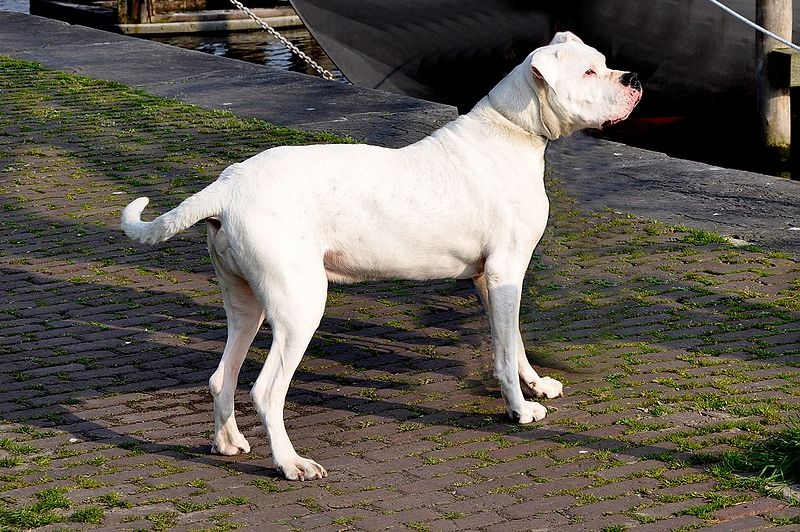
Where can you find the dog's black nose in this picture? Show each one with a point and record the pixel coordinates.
(631, 79)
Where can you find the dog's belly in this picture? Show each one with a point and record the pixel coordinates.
(346, 267)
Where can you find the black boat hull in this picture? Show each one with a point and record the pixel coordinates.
(689, 54)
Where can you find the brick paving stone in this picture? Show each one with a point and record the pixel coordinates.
(424, 499)
(444, 524)
(457, 465)
(570, 469)
(603, 522)
(536, 507)
(377, 522)
(789, 512)
(447, 483)
(417, 515)
(634, 485)
(538, 524)
(746, 523)
(636, 468)
(522, 449)
(665, 510)
(686, 488)
(761, 506)
(481, 504)
(679, 522)
(471, 522)
(614, 506)
(366, 497)
(553, 486)
(515, 468)
(466, 449)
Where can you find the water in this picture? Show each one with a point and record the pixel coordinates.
(255, 47)
(259, 47)
(15, 6)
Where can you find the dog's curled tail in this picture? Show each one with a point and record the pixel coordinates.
(204, 204)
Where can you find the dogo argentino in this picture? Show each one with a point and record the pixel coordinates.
(466, 202)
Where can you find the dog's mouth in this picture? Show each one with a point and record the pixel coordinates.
(613, 121)
(637, 96)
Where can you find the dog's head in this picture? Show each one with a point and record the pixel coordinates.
(579, 88)
(565, 86)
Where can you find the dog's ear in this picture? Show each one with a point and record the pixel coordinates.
(565, 36)
(544, 65)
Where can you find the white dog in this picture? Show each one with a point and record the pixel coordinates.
(467, 202)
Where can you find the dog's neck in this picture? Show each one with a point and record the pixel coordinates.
(520, 100)
(492, 116)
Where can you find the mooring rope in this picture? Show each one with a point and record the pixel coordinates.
(754, 25)
(288, 44)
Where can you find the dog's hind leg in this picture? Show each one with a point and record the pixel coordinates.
(245, 315)
(296, 303)
(483, 295)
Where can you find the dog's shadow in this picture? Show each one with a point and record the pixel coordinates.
(348, 370)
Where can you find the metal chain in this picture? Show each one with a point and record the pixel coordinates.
(292, 48)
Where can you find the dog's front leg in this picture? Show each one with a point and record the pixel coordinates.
(504, 301)
(534, 385)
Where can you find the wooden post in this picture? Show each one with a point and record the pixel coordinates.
(134, 11)
(773, 101)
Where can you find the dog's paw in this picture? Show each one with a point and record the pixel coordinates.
(527, 412)
(300, 468)
(546, 387)
(230, 445)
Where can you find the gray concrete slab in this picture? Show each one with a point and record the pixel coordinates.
(753, 207)
(757, 208)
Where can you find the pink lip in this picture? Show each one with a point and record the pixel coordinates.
(637, 97)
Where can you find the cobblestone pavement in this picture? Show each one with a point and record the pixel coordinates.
(678, 351)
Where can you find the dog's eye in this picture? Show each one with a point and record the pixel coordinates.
(590, 72)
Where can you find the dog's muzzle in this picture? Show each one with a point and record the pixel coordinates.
(631, 79)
